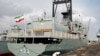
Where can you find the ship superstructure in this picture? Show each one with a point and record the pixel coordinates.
(45, 36)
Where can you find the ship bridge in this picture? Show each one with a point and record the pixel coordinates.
(42, 28)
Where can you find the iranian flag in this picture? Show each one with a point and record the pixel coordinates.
(19, 18)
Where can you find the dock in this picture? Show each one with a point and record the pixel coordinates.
(92, 50)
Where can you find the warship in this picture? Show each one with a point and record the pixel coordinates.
(47, 37)
(3, 44)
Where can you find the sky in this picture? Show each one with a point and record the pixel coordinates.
(87, 9)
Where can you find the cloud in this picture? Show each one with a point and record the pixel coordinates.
(86, 19)
(79, 16)
(6, 22)
(15, 7)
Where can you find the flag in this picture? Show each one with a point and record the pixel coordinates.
(19, 18)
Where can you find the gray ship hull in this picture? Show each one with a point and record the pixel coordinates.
(66, 45)
(3, 47)
(26, 49)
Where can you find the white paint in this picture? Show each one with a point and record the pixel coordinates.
(56, 53)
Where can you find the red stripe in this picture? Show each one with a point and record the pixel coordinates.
(20, 20)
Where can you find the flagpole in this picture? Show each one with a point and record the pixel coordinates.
(18, 20)
(23, 25)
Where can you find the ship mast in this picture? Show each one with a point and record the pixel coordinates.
(68, 13)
